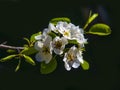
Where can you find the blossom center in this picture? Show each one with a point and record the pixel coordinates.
(45, 50)
(70, 57)
(66, 33)
(58, 44)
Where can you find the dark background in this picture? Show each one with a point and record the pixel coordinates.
(20, 19)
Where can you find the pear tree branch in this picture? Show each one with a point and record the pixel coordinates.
(2, 45)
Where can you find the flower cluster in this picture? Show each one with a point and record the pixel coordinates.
(63, 39)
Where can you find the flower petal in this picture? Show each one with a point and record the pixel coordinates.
(80, 57)
(64, 40)
(81, 60)
(67, 67)
(46, 31)
(38, 45)
(52, 27)
(47, 41)
(58, 51)
(47, 58)
(76, 64)
(43, 57)
(38, 57)
(38, 37)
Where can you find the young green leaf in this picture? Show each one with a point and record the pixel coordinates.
(25, 45)
(85, 65)
(90, 13)
(32, 38)
(29, 60)
(64, 19)
(48, 68)
(90, 19)
(7, 58)
(29, 51)
(100, 29)
(18, 66)
(26, 39)
(11, 51)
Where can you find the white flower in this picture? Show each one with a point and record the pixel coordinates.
(70, 31)
(73, 58)
(58, 44)
(78, 34)
(42, 36)
(52, 27)
(45, 50)
(64, 29)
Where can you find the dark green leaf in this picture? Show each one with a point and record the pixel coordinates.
(32, 38)
(85, 65)
(18, 66)
(52, 34)
(55, 20)
(100, 29)
(48, 68)
(29, 60)
(72, 42)
(29, 51)
(7, 58)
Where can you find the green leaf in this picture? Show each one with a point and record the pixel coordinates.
(55, 20)
(52, 34)
(26, 45)
(26, 39)
(11, 51)
(32, 38)
(90, 19)
(18, 66)
(48, 68)
(100, 29)
(90, 13)
(72, 42)
(7, 58)
(29, 60)
(29, 51)
(85, 65)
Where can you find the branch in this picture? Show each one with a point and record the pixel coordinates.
(10, 47)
